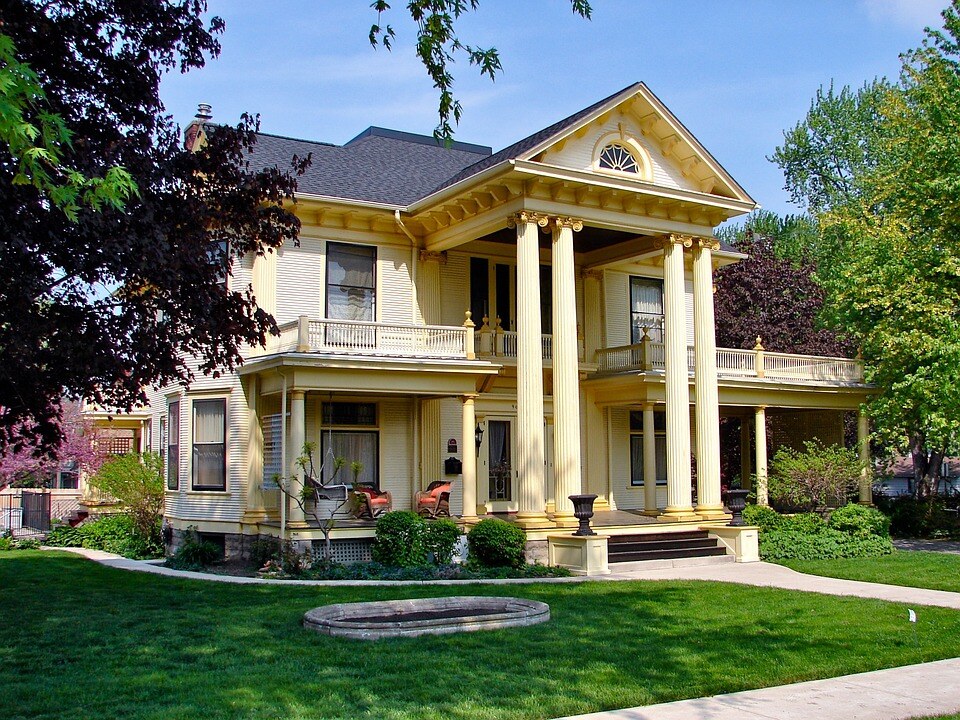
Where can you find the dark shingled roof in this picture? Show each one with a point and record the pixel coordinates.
(379, 165)
(531, 141)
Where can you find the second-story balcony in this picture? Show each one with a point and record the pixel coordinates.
(353, 337)
(649, 356)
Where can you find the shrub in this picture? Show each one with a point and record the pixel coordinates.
(815, 477)
(112, 533)
(921, 518)
(399, 540)
(8, 542)
(263, 550)
(765, 518)
(137, 482)
(809, 523)
(859, 520)
(496, 543)
(827, 544)
(194, 552)
(440, 538)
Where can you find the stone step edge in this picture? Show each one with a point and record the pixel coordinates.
(640, 565)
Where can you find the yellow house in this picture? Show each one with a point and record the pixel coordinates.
(542, 315)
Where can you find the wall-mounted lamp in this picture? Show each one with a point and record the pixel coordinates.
(478, 436)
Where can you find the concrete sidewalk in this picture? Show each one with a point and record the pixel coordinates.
(911, 691)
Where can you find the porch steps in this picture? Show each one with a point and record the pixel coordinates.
(690, 544)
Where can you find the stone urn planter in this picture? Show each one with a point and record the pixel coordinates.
(583, 511)
(736, 502)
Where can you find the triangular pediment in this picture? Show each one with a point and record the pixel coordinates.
(662, 151)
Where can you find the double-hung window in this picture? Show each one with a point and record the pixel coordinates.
(646, 308)
(636, 448)
(350, 432)
(351, 282)
(209, 444)
(172, 440)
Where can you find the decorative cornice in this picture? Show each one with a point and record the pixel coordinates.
(575, 224)
(525, 217)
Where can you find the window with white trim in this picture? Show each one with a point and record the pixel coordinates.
(209, 444)
(342, 437)
(646, 308)
(173, 445)
(636, 447)
(617, 156)
(351, 282)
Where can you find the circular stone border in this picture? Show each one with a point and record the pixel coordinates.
(463, 613)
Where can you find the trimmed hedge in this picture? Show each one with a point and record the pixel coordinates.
(860, 520)
(497, 543)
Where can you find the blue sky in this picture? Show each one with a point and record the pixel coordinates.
(736, 72)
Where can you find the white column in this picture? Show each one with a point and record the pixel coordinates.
(469, 459)
(649, 462)
(745, 481)
(866, 474)
(760, 463)
(297, 437)
(531, 501)
(566, 373)
(679, 499)
(254, 510)
(707, 410)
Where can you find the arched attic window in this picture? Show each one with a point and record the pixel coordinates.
(617, 156)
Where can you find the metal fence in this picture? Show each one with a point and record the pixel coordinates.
(25, 513)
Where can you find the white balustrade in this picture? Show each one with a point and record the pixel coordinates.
(734, 362)
(506, 345)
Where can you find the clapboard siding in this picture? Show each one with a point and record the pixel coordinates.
(577, 153)
(626, 497)
(396, 450)
(394, 286)
(451, 426)
(300, 273)
(454, 289)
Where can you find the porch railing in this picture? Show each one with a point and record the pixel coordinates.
(504, 344)
(353, 337)
(649, 356)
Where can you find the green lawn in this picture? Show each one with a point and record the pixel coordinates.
(81, 640)
(936, 571)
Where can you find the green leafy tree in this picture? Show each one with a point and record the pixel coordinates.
(438, 45)
(880, 169)
(136, 481)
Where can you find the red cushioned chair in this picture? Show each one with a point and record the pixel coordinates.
(435, 500)
(372, 503)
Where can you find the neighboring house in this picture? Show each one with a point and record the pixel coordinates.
(543, 315)
(896, 477)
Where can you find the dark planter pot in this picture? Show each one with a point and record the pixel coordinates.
(736, 502)
(583, 511)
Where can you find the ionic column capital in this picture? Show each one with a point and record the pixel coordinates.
(526, 217)
(591, 274)
(430, 256)
(685, 240)
(575, 224)
(707, 243)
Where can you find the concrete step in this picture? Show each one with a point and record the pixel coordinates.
(638, 545)
(669, 563)
(659, 536)
(665, 554)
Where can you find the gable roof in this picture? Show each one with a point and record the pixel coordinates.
(377, 166)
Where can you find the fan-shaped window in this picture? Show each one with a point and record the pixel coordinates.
(617, 157)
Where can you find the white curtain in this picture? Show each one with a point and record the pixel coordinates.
(208, 443)
(350, 282)
(352, 447)
(636, 459)
(646, 308)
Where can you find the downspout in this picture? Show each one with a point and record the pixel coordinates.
(414, 261)
(283, 458)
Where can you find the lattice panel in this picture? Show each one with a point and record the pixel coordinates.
(346, 551)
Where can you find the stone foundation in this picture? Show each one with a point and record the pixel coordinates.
(537, 552)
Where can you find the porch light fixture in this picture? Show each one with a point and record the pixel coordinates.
(478, 436)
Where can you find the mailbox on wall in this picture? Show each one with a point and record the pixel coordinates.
(452, 466)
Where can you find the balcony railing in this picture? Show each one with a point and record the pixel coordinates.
(503, 344)
(350, 337)
(649, 356)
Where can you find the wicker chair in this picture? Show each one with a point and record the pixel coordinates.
(435, 500)
(370, 502)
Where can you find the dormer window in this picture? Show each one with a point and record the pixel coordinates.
(616, 156)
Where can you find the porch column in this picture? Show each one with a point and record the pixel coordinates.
(254, 511)
(298, 426)
(531, 501)
(863, 444)
(707, 409)
(469, 455)
(745, 480)
(649, 462)
(760, 464)
(566, 373)
(679, 498)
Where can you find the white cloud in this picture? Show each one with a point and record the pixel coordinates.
(910, 14)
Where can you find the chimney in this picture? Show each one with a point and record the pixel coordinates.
(194, 136)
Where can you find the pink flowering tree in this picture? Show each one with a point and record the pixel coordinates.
(25, 463)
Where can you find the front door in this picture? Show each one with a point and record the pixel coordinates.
(499, 465)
